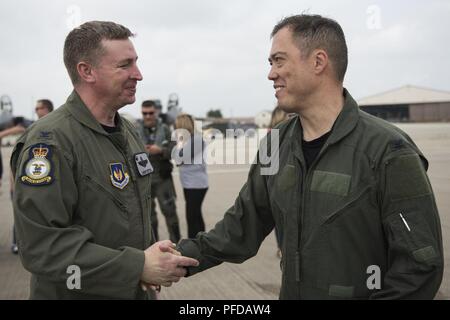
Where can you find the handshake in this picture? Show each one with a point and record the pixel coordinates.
(164, 265)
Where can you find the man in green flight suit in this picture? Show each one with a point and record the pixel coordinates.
(352, 198)
(157, 139)
(82, 183)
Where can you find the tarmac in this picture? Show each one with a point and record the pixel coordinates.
(259, 277)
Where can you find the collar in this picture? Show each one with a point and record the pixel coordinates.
(81, 113)
(345, 123)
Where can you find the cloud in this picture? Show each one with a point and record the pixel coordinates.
(214, 53)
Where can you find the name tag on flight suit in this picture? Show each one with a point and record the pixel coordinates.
(143, 164)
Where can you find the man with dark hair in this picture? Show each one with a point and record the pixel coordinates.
(156, 137)
(43, 107)
(352, 198)
(82, 181)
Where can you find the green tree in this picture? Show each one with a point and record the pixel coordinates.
(214, 113)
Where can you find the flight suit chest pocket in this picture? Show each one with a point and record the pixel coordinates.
(104, 197)
(285, 186)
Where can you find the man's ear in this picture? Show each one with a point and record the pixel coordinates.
(320, 61)
(85, 71)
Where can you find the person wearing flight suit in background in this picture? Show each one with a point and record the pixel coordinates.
(351, 196)
(157, 139)
(82, 183)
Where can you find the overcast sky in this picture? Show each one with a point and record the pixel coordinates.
(213, 54)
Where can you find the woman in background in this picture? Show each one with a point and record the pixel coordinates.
(193, 175)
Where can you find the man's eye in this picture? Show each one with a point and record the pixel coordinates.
(124, 65)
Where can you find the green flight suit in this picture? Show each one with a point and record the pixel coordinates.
(80, 200)
(365, 203)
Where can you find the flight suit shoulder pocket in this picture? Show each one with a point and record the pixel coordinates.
(406, 177)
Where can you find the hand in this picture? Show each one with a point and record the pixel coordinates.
(164, 265)
(153, 149)
(163, 247)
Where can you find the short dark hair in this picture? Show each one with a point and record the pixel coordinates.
(149, 103)
(84, 43)
(47, 103)
(152, 103)
(316, 32)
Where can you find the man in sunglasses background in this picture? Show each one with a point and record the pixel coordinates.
(157, 139)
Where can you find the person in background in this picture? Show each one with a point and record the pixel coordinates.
(43, 107)
(194, 178)
(156, 137)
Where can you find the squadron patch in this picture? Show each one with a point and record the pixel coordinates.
(143, 164)
(38, 171)
(119, 178)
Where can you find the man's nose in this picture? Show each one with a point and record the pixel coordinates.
(272, 74)
(137, 74)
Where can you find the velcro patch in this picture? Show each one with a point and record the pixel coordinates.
(407, 178)
(331, 182)
(424, 254)
(288, 177)
(341, 291)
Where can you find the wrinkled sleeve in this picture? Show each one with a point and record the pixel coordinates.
(412, 229)
(238, 236)
(49, 242)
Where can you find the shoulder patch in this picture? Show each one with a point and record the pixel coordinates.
(38, 170)
(119, 178)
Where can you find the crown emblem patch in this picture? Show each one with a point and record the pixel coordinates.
(38, 170)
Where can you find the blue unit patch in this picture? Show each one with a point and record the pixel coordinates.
(119, 178)
(38, 170)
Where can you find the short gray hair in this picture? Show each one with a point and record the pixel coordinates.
(84, 43)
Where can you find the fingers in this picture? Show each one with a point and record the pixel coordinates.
(186, 262)
(179, 272)
(166, 246)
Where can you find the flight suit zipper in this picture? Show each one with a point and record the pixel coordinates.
(302, 208)
(147, 240)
